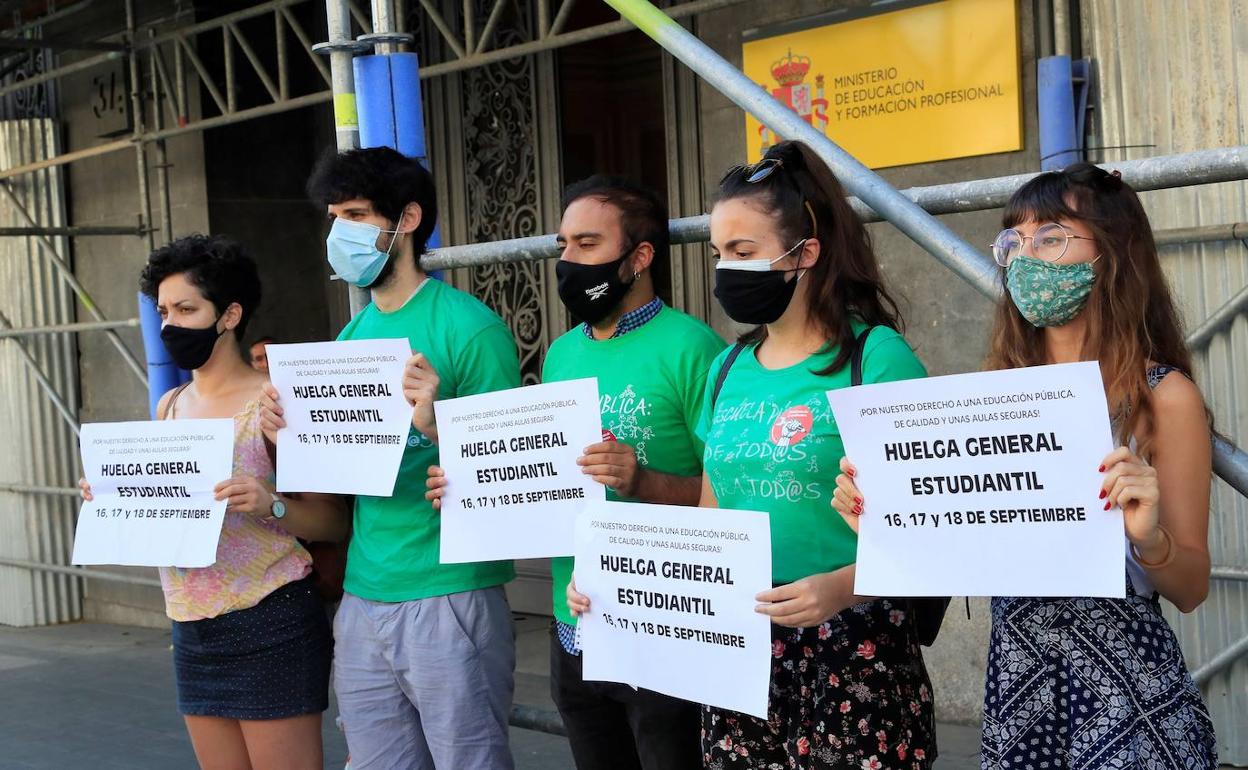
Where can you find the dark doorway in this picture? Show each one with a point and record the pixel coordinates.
(611, 111)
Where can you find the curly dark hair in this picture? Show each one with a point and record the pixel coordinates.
(221, 268)
(382, 176)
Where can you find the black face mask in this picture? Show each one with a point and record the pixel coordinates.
(591, 292)
(190, 348)
(754, 297)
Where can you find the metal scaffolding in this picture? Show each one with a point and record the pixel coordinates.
(170, 63)
(909, 209)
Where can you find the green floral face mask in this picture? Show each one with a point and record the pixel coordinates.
(1046, 293)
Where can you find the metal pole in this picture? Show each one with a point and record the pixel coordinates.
(341, 49)
(1231, 464)
(1061, 27)
(1219, 572)
(33, 489)
(60, 72)
(136, 107)
(1221, 661)
(86, 574)
(67, 274)
(162, 157)
(30, 331)
(71, 231)
(1203, 234)
(1203, 334)
(383, 24)
(49, 389)
(941, 242)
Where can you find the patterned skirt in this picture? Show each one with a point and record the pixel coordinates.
(851, 693)
(1084, 684)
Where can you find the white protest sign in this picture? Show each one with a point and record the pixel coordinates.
(984, 484)
(671, 593)
(152, 484)
(513, 486)
(347, 422)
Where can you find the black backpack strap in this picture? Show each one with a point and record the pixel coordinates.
(855, 359)
(723, 371)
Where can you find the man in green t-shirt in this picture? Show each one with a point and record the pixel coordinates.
(651, 363)
(424, 654)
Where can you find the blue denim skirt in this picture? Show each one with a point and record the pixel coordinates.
(270, 661)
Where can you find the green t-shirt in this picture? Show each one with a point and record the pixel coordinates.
(650, 384)
(393, 555)
(772, 445)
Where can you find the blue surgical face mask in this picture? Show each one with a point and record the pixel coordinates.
(353, 253)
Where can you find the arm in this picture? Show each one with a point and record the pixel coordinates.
(707, 499)
(317, 517)
(812, 600)
(483, 364)
(308, 516)
(614, 464)
(1166, 506)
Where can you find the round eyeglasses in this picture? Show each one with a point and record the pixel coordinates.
(1049, 243)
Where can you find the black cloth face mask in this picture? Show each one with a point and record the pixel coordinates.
(591, 292)
(190, 348)
(751, 292)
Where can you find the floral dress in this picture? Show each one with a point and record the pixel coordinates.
(850, 693)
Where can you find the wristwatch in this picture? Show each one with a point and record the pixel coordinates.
(278, 509)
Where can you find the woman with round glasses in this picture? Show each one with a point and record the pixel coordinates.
(1085, 683)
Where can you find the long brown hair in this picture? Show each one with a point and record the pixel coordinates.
(1131, 316)
(845, 281)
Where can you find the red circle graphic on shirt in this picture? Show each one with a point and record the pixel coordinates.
(792, 426)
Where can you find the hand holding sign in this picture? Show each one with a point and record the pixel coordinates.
(985, 484)
(508, 485)
(673, 591)
(340, 420)
(246, 494)
(1131, 484)
(420, 388)
(613, 464)
(271, 419)
(148, 493)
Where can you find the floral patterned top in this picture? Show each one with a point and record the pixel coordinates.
(254, 557)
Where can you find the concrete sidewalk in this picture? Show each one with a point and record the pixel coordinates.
(88, 695)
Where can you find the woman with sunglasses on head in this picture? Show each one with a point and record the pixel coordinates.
(1085, 683)
(848, 686)
(251, 641)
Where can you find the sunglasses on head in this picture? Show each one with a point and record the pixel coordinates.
(754, 172)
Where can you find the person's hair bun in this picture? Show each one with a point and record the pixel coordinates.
(788, 153)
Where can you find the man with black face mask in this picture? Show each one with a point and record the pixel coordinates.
(651, 363)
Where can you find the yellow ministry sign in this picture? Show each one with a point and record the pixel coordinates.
(925, 83)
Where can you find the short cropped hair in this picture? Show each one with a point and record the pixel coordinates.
(385, 178)
(221, 268)
(643, 216)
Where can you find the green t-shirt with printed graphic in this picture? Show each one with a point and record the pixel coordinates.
(772, 445)
(650, 385)
(394, 551)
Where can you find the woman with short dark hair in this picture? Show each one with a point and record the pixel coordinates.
(251, 641)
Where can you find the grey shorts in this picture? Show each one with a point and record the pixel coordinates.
(426, 683)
